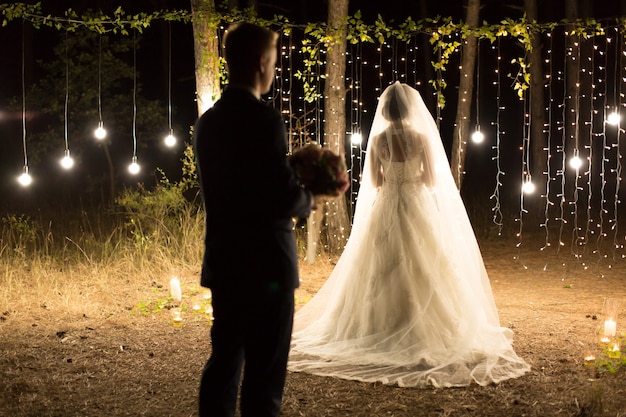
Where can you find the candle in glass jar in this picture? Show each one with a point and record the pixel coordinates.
(177, 318)
(610, 328)
(175, 289)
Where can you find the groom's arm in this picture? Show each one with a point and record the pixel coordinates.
(286, 195)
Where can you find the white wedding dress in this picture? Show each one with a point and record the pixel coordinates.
(409, 301)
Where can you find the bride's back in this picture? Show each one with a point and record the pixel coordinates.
(401, 155)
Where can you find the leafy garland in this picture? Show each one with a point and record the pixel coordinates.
(446, 36)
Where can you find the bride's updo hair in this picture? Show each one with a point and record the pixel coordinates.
(394, 106)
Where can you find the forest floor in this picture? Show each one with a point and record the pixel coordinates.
(78, 347)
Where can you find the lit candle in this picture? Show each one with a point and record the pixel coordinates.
(175, 289)
(610, 328)
(177, 318)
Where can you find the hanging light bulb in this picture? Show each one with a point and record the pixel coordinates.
(575, 162)
(528, 187)
(67, 162)
(134, 167)
(170, 140)
(477, 136)
(25, 179)
(356, 139)
(613, 118)
(100, 132)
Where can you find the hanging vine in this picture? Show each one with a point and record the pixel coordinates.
(446, 35)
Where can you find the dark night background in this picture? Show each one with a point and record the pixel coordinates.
(152, 73)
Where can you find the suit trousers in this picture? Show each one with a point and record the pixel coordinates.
(251, 332)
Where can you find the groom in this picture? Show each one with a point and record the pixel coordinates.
(250, 261)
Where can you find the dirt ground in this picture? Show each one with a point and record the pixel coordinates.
(127, 361)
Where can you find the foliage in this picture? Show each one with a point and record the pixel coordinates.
(446, 35)
(19, 233)
(163, 217)
(609, 359)
(161, 229)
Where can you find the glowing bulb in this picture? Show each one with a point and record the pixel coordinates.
(133, 168)
(170, 140)
(25, 179)
(613, 119)
(528, 187)
(67, 162)
(356, 139)
(575, 162)
(477, 136)
(100, 132)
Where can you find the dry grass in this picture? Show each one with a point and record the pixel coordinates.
(74, 342)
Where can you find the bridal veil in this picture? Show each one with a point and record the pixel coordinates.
(409, 301)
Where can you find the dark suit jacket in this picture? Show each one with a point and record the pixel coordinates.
(250, 195)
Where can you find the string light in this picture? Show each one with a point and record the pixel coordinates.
(134, 167)
(618, 165)
(561, 76)
(170, 139)
(25, 179)
(100, 133)
(603, 134)
(497, 211)
(66, 162)
(589, 230)
(548, 85)
(528, 187)
(478, 136)
(355, 76)
(576, 162)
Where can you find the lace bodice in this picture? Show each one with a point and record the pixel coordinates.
(402, 172)
(401, 156)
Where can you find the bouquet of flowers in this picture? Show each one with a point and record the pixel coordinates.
(320, 170)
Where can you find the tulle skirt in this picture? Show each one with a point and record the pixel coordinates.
(407, 304)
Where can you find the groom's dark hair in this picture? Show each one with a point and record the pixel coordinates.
(244, 44)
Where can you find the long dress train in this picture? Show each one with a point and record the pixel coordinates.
(409, 301)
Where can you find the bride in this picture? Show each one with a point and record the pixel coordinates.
(409, 301)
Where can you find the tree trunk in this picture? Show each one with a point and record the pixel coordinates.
(335, 210)
(206, 52)
(464, 104)
(538, 136)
